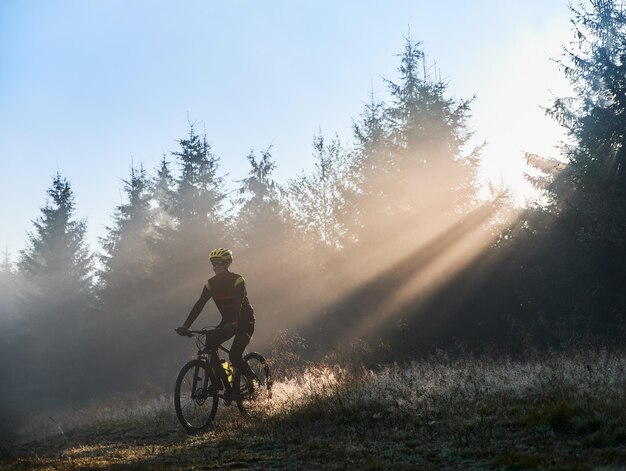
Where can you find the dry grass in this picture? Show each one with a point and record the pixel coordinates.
(558, 412)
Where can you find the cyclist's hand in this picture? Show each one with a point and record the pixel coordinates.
(183, 330)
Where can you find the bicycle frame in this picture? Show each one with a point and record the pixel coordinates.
(217, 374)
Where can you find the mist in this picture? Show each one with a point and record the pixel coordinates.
(384, 251)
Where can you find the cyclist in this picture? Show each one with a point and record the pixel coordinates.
(228, 290)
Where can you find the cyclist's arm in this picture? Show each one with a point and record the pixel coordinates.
(197, 308)
(240, 295)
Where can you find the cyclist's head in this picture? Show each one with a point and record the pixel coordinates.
(220, 259)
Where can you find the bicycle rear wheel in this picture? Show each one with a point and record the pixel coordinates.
(261, 381)
(194, 401)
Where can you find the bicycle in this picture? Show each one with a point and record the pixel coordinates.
(202, 382)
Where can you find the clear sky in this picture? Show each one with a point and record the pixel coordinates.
(86, 86)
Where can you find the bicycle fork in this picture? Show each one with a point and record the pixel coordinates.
(197, 378)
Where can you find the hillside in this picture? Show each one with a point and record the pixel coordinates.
(557, 412)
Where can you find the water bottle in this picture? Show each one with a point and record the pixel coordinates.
(228, 369)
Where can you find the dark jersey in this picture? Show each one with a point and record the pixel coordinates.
(228, 290)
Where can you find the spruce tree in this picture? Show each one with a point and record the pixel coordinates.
(127, 260)
(371, 170)
(56, 305)
(56, 265)
(411, 166)
(197, 208)
(590, 193)
(264, 251)
(126, 284)
(566, 259)
(199, 195)
(261, 225)
(428, 134)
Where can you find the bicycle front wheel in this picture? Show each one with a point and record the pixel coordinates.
(195, 400)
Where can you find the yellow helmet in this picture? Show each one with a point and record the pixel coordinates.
(221, 254)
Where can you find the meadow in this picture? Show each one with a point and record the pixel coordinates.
(554, 411)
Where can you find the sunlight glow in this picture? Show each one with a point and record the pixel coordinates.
(509, 110)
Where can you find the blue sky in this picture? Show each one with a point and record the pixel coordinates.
(86, 86)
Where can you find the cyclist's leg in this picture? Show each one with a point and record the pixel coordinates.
(219, 336)
(241, 341)
(213, 340)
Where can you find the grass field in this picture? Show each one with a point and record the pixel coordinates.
(559, 412)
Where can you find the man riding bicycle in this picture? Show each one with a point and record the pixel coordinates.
(228, 290)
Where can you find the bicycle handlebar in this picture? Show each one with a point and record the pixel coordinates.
(196, 332)
(205, 332)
